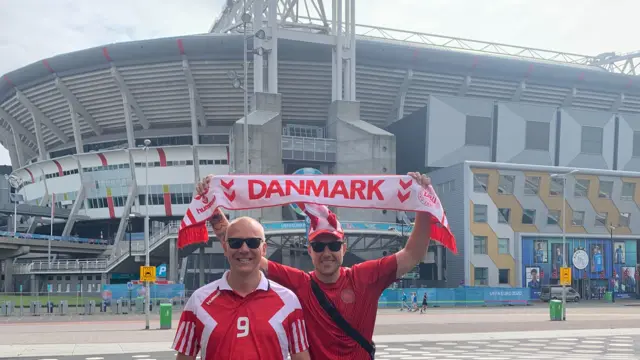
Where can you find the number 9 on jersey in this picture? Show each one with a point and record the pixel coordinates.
(243, 326)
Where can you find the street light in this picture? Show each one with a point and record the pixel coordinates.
(15, 182)
(564, 238)
(147, 310)
(613, 268)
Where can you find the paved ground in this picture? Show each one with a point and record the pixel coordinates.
(583, 348)
(500, 333)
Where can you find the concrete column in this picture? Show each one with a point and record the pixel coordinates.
(173, 261)
(201, 264)
(439, 262)
(8, 275)
(33, 284)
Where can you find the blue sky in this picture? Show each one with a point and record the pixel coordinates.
(31, 30)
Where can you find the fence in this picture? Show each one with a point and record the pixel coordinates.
(463, 296)
(73, 239)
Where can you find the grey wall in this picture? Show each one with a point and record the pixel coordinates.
(449, 185)
(572, 125)
(410, 152)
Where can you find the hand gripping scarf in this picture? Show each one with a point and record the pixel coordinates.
(244, 192)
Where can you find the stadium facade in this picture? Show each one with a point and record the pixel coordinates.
(320, 97)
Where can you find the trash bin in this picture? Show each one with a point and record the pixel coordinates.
(165, 316)
(64, 307)
(125, 306)
(608, 296)
(555, 310)
(140, 305)
(35, 308)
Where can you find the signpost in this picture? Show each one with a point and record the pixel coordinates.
(565, 276)
(148, 273)
(130, 288)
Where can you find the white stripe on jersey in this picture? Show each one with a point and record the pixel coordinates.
(296, 339)
(291, 303)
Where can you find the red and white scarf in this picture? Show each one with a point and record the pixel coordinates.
(243, 192)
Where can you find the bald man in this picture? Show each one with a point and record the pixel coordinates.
(243, 315)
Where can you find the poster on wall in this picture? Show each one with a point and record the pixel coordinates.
(619, 252)
(628, 282)
(596, 253)
(558, 257)
(540, 248)
(532, 277)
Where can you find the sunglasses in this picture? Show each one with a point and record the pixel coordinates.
(333, 246)
(252, 243)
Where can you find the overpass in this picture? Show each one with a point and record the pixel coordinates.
(362, 237)
(11, 247)
(39, 211)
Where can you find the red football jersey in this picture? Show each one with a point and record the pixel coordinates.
(266, 324)
(355, 295)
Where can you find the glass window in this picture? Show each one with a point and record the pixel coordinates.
(577, 218)
(625, 219)
(503, 246)
(479, 213)
(531, 185)
(480, 182)
(554, 217)
(606, 188)
(481, 276)
(636, 144)
(582, 188)
(506, 184)
(591, 140)
(504, 215)
(556, 186)
(528, 216)
(537, 135)
(628, 191)
(478, 131)
(503, 276)
(601, 220)
(480, 245)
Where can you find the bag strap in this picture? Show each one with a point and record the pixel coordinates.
(330, 309)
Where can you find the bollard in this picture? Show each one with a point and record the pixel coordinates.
(35, 308)
(49, 307)
(3, 309)
(9, 308)
(103, 306)
(64, 307)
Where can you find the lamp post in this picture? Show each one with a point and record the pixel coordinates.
(613, 262)
(564, 238)
(147, 309)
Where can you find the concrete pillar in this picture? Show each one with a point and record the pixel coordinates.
(33, 286)
(201, 264)
(8, 275)
(439, 262)
(105, 280)
(173, 261)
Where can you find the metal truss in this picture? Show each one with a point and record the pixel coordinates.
(627, 64)
(306, 15)
(310, 16)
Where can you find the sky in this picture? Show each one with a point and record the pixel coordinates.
(32, 30)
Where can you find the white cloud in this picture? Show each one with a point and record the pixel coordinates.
(31, 30)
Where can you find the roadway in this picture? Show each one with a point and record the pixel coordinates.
(592, 331)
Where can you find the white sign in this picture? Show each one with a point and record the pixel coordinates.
(580, 259)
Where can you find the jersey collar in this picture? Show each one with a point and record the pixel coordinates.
(224, 284)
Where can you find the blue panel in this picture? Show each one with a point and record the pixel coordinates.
(462, 296)
(158, 291)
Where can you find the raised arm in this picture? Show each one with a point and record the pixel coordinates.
(418, 243)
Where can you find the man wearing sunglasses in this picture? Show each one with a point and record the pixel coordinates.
(243, 315)
(351, 293)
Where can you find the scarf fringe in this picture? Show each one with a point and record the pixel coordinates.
(194, 234)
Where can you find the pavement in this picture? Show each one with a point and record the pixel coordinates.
(590, 332)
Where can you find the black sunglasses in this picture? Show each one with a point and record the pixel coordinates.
(252, 243)
(333, 246)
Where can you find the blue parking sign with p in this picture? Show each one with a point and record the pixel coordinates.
(161, 271)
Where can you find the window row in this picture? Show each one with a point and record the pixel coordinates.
(154, 199)
(481, 247)
(448, 186)
(506, 185)
(481, 276)
(64, 173)
(106, 167)
(480, 215)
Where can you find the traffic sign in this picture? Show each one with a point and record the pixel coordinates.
(129, 286)
(148, 273)
(565, 276)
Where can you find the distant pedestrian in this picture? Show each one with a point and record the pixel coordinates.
(424, 304)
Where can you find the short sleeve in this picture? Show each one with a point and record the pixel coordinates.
(379, 273)
(286, 276)
(187, 339)
(296, 330)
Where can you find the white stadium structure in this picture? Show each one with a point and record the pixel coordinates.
(320, 93)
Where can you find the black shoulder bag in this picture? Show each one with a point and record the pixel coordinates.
(330, 309)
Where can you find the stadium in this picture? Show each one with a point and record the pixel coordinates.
(91, 132)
